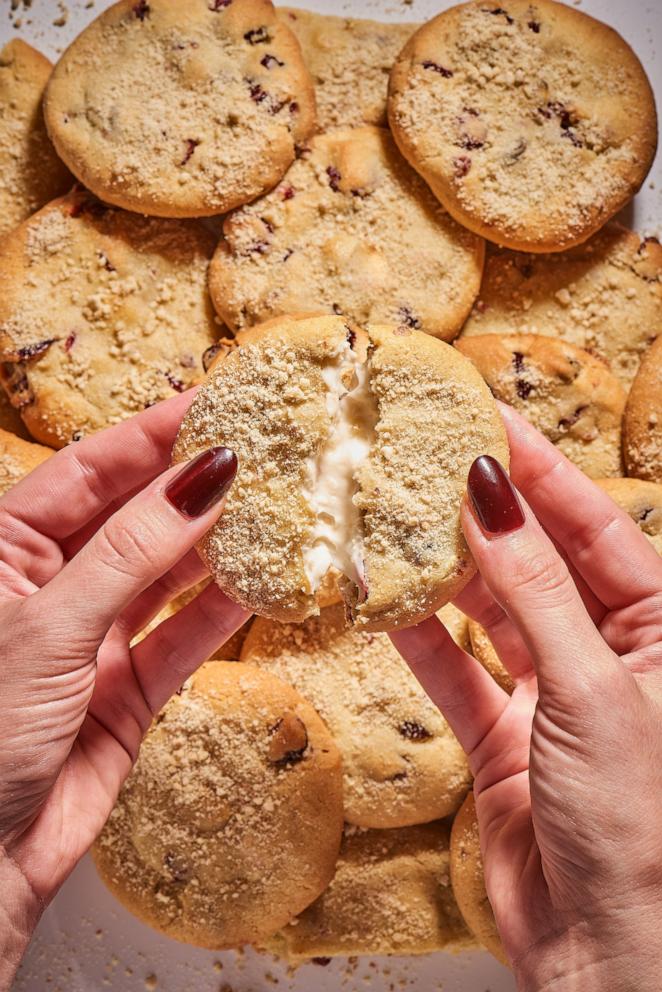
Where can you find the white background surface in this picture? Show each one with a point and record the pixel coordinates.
(86, 941)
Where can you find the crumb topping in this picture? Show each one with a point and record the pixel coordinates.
(132, 321)
(351, 229)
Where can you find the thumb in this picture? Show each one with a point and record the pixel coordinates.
(531, 582)
(135, 547)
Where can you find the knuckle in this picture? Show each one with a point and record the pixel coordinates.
(542, 574)
(128, 548)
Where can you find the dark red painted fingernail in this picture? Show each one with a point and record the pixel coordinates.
(493, 497)
(203, 482)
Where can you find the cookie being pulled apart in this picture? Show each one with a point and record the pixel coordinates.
(353, 448)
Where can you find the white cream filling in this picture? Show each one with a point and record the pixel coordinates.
(337, 536)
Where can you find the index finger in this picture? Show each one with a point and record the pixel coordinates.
(601, 540)
(80, 481)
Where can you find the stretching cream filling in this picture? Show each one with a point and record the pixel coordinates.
(337, 537)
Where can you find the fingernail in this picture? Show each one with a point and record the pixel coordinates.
(203, 482)
(493, 497)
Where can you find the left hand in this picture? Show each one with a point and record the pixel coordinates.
(92, 545)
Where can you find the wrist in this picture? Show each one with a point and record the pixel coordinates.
(20, 909)
(611, 955)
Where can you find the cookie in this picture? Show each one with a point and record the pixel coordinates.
(230, 823)
(17, 459)
(345, 459)
(457, 625)
(229, 651)
(102, 313)
(350, 61)
(351, 230)
(181, 112)
(468, 880)
(531, 121)
(484, 652)
(10, 418)
(604, 296)
(401, 762)
(642, 501)
(642, 423)
(566, 393)
(390, 894)
(31, 174)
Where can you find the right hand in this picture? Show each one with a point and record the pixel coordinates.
(568, 771)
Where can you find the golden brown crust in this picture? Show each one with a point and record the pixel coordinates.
(566, 393)
(532, 122)
(18, 458)
(402, 764)
(231, 821)
(642, 422)
(436, 416)
(181, 116)
(642, 500)
(604, 295)
(391, 894)
(349, 59)
(31, 174)
(102, 313)
(484, 652)
(351, 229)
(468, 880)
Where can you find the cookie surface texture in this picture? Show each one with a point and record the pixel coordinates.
(350, 60)
(642, 423)
(231, 821)
(532, 122)
(351, 230)
(390, 894)
(360, 465)
(132, 321)
(604, 296)
(566, 393)
(181, 110)
(468, 879)
(402, 764)
(17, 458)
(31, 174)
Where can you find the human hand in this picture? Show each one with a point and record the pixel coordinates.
(92, 545)
(568, 771)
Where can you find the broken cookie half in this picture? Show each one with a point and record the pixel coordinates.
(353, 448)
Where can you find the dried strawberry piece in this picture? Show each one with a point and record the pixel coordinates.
(413, 731)
(176, 383)
(408, 317)
(523, 388)
(269, 61)
(334, 178)
(191, 145)
(497, 11)
(141, 9)
(442, 70)
(518, 361)
(566, 422)
(35, 350)
(69, 343)
(17, 385)
(287, 192)
(461, 166)
(257, 36)
(217, 5)
(257, 93)
(534, 26)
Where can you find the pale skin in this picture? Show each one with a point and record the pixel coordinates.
(567, 770)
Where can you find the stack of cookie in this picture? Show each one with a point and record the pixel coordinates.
(402, 181)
